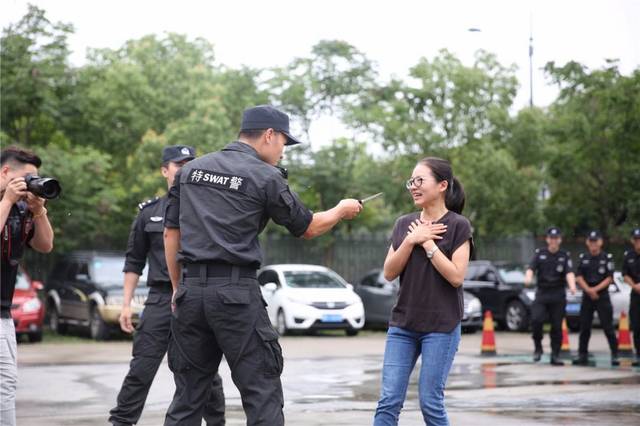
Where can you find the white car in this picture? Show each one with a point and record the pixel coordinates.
(310, 297)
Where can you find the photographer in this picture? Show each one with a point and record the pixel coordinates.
(24, 221)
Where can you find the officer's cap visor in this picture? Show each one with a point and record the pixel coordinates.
(290, 139)
(181, 158)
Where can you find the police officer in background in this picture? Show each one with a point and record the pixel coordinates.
(152, 335)
(217, 207)
(594, 275)
(553, 270)
(631, 273)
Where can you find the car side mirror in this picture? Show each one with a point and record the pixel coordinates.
(37, 285)
(271, 287)
(350, 286)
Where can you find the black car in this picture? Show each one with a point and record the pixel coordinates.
(86, 289)
(379, 296)
(501, 290)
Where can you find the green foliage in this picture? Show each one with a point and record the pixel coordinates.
(595, 129)
(100, 129)
(36, 79)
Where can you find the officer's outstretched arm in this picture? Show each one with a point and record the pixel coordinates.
(324, 221)
(171, 248)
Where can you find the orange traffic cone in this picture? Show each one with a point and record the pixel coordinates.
(624, 338)
(488, 336)
(565, 350)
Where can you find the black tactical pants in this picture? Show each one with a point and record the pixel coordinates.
(150, 343)
(549, 302)
(605, 314)
(224, 316)
(634, 320)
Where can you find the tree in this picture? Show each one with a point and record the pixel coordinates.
(444, 104)
(329, 81)
(36, 80)
(595, 130)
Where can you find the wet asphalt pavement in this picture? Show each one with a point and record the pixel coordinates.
(335, 380)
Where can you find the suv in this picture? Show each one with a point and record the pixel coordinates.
(501, 290)
(86, 289)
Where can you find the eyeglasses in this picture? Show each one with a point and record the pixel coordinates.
(414, 181)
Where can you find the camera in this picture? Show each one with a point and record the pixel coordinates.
(48, 188)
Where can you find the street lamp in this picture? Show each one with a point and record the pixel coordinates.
(478, 30)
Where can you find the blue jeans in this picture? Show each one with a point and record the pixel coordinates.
(400, 355)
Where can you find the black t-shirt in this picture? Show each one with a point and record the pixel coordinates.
(551, 268)
(594, 269)
(223, 200)
(426, 301)
(16, 234)
(146, 241)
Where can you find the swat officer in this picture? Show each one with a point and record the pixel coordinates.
(631, 273)
(217, 207)
(594, 275)
(553, 269)
(152, 335)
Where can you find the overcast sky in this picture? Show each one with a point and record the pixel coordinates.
(395, 34)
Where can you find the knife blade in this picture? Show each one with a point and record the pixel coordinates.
(371, 197)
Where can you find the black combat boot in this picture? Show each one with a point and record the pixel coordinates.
(583, 359)
(614, 359)
(555, 359)
(537, 354)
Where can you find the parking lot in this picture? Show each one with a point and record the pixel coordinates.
(332, 379)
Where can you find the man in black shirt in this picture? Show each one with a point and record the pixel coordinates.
(217, 207)
(151, 339)
(24, 222)
(594, 275)
(631, 273)
(554, 270)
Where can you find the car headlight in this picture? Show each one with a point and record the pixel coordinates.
(531, 294)
(33, 305)
(474, 306)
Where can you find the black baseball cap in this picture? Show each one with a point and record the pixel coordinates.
(594, 235)
(635, 233)
(554, 231)
(177, 153)
(267, 117)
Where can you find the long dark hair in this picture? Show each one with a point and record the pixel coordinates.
(441, 170)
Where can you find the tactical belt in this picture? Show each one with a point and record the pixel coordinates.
(217, 269)
(551, 285)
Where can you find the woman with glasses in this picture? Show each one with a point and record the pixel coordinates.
(430, 251)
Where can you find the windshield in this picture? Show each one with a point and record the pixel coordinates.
(107, 271)
(21, 282)
(311, 279)
(512, 275)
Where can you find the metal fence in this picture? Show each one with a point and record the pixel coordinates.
(353, 256)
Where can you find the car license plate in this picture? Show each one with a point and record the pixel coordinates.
(573, 308)
(332, 318)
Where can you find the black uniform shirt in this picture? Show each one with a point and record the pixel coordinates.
(15, 235)
(631, 265)
(551, 268)
(594, 269)
(146, 241)
(223, 200)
